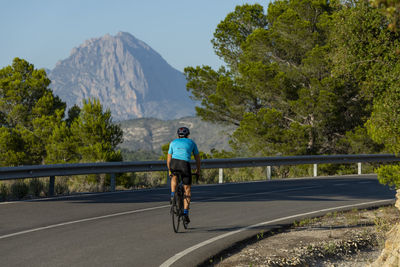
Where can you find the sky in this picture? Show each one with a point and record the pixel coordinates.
(45, 31)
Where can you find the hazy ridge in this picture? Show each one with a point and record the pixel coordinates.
(150, 134)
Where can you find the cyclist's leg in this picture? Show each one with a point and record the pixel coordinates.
(174, 179)
(188, 195)
(185, 174)
(187, 182)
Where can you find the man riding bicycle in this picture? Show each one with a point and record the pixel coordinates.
(178, 160)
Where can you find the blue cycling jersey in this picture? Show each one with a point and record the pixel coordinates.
(183, 148)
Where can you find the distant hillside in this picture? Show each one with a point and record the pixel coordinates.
(126, 75)
(151, 134)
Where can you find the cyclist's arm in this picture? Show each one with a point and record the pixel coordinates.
(198, 164)
(169, 157)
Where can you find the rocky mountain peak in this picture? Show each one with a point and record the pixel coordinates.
(126, 75)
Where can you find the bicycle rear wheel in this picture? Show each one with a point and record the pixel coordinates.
(176, 213)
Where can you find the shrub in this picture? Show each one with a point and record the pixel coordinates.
(61, 186)
(19, 189)
(4, 192)
(126, 180)
(36, 187)
(389, 175)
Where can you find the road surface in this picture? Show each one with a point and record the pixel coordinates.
(134, 228)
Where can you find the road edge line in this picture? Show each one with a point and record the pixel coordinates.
(80, 221)
(183, 253)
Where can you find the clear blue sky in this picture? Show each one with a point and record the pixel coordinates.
(45, 31)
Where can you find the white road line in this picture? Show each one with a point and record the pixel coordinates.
(181, 254)
(135, 211)
(80, 221)
(142, 210)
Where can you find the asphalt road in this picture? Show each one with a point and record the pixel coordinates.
(134, 228)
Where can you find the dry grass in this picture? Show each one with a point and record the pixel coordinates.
(352, 238)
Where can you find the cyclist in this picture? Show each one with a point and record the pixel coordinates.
(178, 159)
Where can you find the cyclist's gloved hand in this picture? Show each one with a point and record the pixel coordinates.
(169, 173)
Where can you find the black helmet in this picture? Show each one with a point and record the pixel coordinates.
(183, 132)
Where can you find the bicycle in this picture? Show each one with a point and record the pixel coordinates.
(177, 204)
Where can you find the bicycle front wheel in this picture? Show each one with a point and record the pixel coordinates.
(176, 214)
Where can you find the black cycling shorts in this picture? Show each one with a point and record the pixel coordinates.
(183, 167)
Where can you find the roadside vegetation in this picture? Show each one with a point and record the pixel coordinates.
(300, 78)
(305, 78)
(343, 238)
(36, 128)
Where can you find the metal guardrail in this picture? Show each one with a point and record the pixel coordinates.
(35, 171)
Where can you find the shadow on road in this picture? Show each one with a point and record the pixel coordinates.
(316, 189)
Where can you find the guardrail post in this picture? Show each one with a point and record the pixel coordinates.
(315, 170)
(359, 168)
(51, 185)
(112, 182)
(269, 172)
(221, 175)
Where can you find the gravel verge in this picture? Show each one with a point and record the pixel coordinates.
(353, 238)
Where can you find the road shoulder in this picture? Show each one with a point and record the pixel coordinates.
(353, 238)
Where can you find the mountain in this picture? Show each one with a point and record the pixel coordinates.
(151, 134)
(126, 75)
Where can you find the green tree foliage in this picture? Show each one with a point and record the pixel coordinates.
(28, 112)
(96, 134)
(384, 128)
(62, 145)
(278, 86)
(391, 8)
(33, 129)
(234, 30)
(365, 56)
(73, 113)
(364, 51)
(11, 147)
